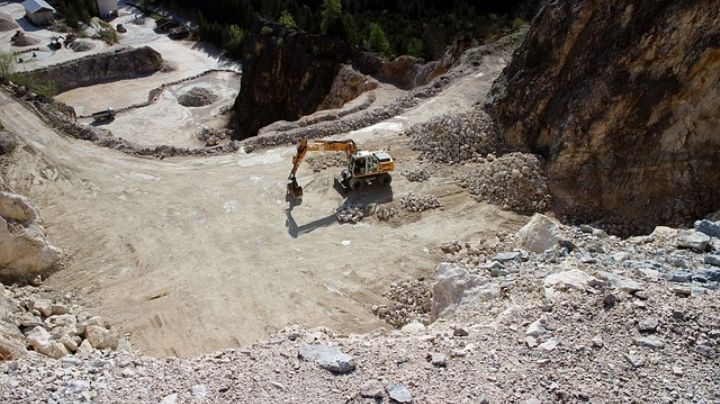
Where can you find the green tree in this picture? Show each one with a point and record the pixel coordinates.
(350, 29)
(7, 62)
(331, 17)
(378, 41)
(233, 40)
(415, 47)
(287, 20)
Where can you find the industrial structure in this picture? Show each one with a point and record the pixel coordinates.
(39, 12)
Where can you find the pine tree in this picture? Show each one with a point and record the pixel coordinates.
(378, 42)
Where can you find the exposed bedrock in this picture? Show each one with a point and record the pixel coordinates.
(121, 64)
(286, 74)
(622, 101)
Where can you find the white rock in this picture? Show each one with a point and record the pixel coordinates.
(535, 328)
(19, 208)
(399, 393)
(44, 306)
(26, 250)
(42, 342)
(413, 328)
(549, 345)
(101, 337)
(538, 235)
(572, 279)
(199, 391)
(171, 399)
(453, 284)
(85, 348)
(327, 357)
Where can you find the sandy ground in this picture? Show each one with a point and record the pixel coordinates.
(186, 58)
(167, 122)
(191, 255)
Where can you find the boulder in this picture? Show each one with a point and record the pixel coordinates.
(399, 393)
(694, 241)
(712, 229)
(328, 357)
(44, 306)
(621, 102)
(453, 284)
(25, 251)
(101, 337)
(18, 208)
(538, 235)
(713, 259)
(41, 341)
(11, 348)
(24, 248)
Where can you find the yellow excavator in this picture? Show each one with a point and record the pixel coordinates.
(363, 167)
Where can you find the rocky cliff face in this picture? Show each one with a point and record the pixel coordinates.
(408, 72)
(24, 248)
(622, 101)
(286, 74)
(121, 64)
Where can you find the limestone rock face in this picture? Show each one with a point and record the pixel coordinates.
(286, 74)
(24, 247)
(408, 72)
(348, 85)
(622, 101)
(121, 64)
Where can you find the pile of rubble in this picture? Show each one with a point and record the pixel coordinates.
(320, 162)
(197, 97)
(515, 181)
(556, 313)
(211, 137)
(411, 301)
(413, 202)
(454, 138)
(54, 328)
(351, 213)
(417, 175)
(81, 46)
(387, 211)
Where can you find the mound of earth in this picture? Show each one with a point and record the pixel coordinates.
(454, 138)
(197, 97)
(7, 23)
(82, 46)
(515, 181)
(24, 40)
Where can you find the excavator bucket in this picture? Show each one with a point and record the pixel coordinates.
(294, 189)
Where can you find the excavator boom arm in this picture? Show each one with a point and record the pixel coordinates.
(303, 147)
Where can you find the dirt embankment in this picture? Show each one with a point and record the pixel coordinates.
(120, 64)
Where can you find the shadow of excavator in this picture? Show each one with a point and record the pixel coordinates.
(369, 196)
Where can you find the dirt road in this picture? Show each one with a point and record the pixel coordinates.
(191, 255)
